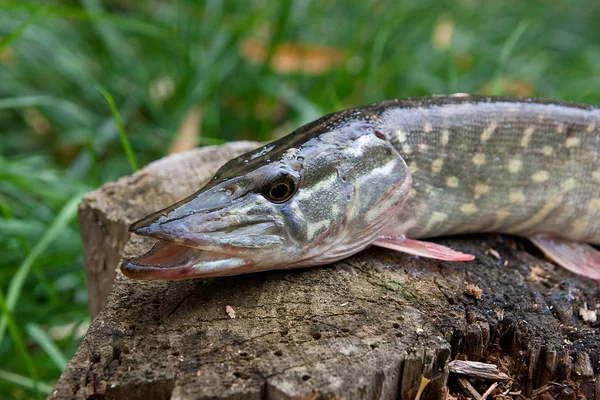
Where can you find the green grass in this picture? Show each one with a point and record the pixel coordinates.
(156, 60)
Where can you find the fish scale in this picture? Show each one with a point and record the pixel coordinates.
(389, 174)
(525, 156)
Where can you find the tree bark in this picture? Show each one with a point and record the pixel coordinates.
(370, 326)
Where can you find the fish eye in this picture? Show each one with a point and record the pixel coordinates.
(280, 190)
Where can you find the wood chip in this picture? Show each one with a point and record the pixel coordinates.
(229, 310)
(476, 369)
(588, 315)
(469, 389)
(473, 291)
(541, 390)
(489, 391)
(536, 274)
(495, 254)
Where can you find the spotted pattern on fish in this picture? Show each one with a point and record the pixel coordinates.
(537, 156)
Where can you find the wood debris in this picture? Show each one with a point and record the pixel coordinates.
(229, 310)
(469, 389)
(473, 291)
(475, 369)
(588, 315)
(536, 274)
(537, 392)
(489, 391)
(494, 253)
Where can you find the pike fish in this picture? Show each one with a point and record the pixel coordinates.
(391, 174)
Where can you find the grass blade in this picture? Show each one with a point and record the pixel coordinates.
(128, 23)
(25, 382)
(47, 345)
(507, 49)
(6, 213)
(18, 341)
(44, 100)
(18, 31)
(16, 284)
(124, 140)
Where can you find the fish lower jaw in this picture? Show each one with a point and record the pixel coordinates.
(173, 261)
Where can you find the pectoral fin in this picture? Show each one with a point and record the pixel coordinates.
(423, 249)
(577, 257)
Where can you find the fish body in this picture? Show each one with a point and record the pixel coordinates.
(388, 174)
(496, 165)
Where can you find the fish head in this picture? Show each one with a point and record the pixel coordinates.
(301, 201)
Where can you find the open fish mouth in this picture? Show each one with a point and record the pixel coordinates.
(173, 261)
(203, 245)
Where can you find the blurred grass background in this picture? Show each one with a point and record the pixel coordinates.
(184, 73)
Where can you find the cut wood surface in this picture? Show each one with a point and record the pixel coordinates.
(370, 326)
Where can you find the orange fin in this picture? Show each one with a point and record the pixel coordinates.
(577, 257)
(423, 249)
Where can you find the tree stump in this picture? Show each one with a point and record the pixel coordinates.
(370, 326)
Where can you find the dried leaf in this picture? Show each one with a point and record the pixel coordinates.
(290, 58)
(37, 121)
(443, 31)
(7, 54)
(511, 86)
(463, 62)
